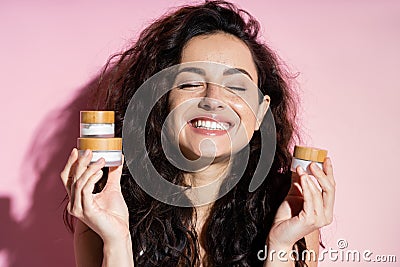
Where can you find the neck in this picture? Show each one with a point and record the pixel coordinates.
(205, 183)
(207, 175)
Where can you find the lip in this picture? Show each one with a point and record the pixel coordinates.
(214, 118)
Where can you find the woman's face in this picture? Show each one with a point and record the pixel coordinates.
(215, 108)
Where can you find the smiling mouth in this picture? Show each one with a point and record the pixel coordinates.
(209, 124)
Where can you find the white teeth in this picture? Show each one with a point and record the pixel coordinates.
(224, 125)
(211, 125)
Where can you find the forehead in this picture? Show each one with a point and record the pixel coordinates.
(221, 48)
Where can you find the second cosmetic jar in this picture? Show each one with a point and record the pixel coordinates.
(303, 156)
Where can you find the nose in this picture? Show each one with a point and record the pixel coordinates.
(210, 101)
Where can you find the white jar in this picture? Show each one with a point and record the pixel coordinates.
(97, 124)
(303, 156)
(108, 148)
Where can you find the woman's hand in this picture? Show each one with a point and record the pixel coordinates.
(105, 213)
(306, 208)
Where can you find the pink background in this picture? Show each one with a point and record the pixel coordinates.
(347, 53)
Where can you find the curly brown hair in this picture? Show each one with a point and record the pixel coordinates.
(239, 222)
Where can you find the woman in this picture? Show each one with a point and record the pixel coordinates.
(123, 226)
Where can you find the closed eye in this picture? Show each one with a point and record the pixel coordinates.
(237, 88)
(190, 85)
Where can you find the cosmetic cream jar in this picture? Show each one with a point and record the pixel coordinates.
(303, 156)
(97, 124)
(108, 148)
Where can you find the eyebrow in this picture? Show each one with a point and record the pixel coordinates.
(201, 72)
(235, 71)
(194, 70)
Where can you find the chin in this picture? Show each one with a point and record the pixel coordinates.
(193, 153)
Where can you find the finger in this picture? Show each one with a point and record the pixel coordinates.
(316, 170)
(328, 188)
(93, 168)
(317, 197)
(81, 182)
(87, 191)
(308, 206)
(329, 200)
(82, 163)
(320, 176)
(313, 204)
(114, 176)
(323, 210)
(66, 172)
(328, 168)
(81, 166)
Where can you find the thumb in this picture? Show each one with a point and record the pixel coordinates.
(114, 175)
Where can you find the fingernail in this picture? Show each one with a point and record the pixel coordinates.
(87, 151)
(72, 152)
(302, 171)
(329, 160)
(315, 166)
(99, 161)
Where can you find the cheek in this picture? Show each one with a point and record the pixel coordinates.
(173, 100)
(177, 98)
(247, 118)
(176, 114)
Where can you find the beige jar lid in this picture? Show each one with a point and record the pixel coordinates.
(310, 153)
(103, 144)
(97, 116)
